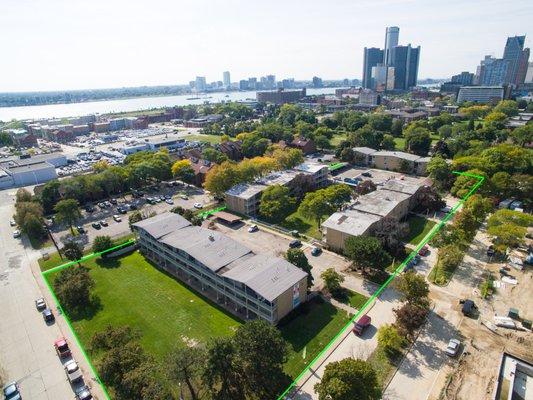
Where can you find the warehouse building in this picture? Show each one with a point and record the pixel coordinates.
(26, 170)
(249, 285)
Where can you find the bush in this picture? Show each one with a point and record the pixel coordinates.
(390, 340)
(102, 243)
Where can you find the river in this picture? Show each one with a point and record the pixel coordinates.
(124, 105)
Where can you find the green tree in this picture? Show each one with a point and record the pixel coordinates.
(134, 217)
(68, 212)
(380, 122)
(73, 289)
(276, 203)
(507, 107)
(264, 376)
(315, 206)
(222, 373)
(388, 143)
(214, 155)
(414, 289)
(73, 251)
(102, 243)
(349, 379)
(522, 135)
(297, 257)
(332, 280)
(185, 364)
(390, 340)
(440, 172)
(366, 137)
(417, 141)
(397, 128)
(366, 252)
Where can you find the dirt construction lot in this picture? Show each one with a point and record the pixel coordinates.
(474, 376)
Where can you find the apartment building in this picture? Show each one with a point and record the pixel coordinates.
(247, 284)
(391, 160)
(394, 199)
(245, 198)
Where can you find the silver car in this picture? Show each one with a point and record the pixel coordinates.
(453, 347)
(73, 371)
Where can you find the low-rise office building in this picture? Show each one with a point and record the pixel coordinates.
(480, 94)
(247, 284)
(31, 170)
(281, 96)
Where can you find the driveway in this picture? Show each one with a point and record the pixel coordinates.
(26, 342)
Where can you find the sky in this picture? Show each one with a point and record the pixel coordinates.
(82, 44)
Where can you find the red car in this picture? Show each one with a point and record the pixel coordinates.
(62, 348)
(361, 325)
(424, 250)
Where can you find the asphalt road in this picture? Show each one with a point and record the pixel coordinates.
(27, 354)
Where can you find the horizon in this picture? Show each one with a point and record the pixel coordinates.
(123, 44)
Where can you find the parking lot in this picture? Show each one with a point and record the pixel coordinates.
(184, 196)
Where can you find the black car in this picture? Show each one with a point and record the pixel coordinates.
(122, 210)
(295, 243)
(89, 208)
(83, 393)
(96, 225)
(80, 229)
(48, 315)
(133, 206)
(113, 201)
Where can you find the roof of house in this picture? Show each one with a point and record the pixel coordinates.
(162, 224)
(268, 276)
(352, 222)
(301, 142)
(246, 190)
(403, 186)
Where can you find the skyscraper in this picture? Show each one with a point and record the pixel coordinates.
(372, 57)
(226, 79)
(392, 34)
(399, 61)
(200, 84)
(516, 57)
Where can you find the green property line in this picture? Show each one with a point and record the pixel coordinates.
(205, 214)
(430, 234)
(398, 270)
(67, 319)
(87, 257)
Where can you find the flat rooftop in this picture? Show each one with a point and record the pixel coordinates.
(515, 377)
(402, 185)
(398, 154)
(246, 190)
(30, 167)
(352, 222)
(309, 167)
(364, 150)
(379, 202)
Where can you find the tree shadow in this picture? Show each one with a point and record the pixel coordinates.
(88, 312)
(108, 263)
(296, 223)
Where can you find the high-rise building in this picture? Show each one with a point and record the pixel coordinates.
(317, 82)
(401, 61)
(200, 84)
(243, 84)
(372, 57)
(392, 34)
(515, 55)
(226, 79)
(529, 73)
(464, 78)
(252, 83)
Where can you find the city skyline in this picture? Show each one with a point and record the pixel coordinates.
(123, 44)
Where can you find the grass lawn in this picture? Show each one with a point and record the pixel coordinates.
(305, 226)
(38, 244)
(418, 228)
(133, 292)
(311, 330)
(337, 139)
(213, 139)
(383, 366)
(354, 299)
(400, 143)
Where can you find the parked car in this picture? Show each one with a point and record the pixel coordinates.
(73, 371)
(424, 250)
(184, 197)
(62, 348)
(169, 201)
(132, 206)
(491, 251)
(16, 234)
(468, 307)
(367, 174)
(80, 229)
(48, 315)
(453, 347)
(198, 205)
(168, 197)
(107, 204)
(96, 225)
(12, 222)
(40, 304)
(315, 251)
(253, 228)
(360, 326)
(121, 210)
(113, 201)
(295, 243)
(83, 393)
(12, 391)
(89, 208)
(104, 223)
(101, 205)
